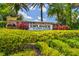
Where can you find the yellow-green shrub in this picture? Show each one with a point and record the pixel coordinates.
(61, 46)
(11, 41)
(25, 53)
(73, 52)
(2, 54)
(73, 43)
(46, 50)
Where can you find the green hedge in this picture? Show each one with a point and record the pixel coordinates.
(46, 50)
(61, 46)
(52, 42)
(25, 53)
(73, 43)
(3, 24)
(64, 48)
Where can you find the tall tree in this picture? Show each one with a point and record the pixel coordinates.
(75, 5)
(68, 14)
(57, 9)
(4, 10)
(41, 5)
(12, 8)
(64, 13)
(71, 16)
(75, 17)
(15, 7)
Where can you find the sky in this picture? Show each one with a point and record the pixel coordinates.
(34, 14)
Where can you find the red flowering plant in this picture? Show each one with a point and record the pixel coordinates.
(61, 27)
(22, 25)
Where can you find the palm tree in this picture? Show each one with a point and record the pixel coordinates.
(69, 17)
(4, 10)
(57, 9)
(75, 18)
(75, 5)
(12, 8)
(41, 5)
(68, 14)
(15, 7)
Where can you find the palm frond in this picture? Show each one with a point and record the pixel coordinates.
(25, 6)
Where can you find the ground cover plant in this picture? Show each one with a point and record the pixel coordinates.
(17, 42)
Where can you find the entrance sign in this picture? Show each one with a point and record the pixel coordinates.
(40, 27)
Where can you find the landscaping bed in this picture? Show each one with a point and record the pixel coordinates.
(34, 43)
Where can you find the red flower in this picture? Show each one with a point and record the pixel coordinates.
(22, 25)
(61, 27)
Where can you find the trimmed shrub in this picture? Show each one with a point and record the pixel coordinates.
(25, 53)
(46, 50)
(49, 42)
(13, 41)
(74, 52)
(22, 25)
(61, 46)
(61, 27)
(2, 54)
(74, 43)
(64, 48)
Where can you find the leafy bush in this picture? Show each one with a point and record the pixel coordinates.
(49, 42)
(61, 27)
(74, 52)
(3, 24)
(22, 25)
(73, 43)
(64, 48)
(46, 50)
(2, 54)
(25, 53)
(61, 46)
(12, 41)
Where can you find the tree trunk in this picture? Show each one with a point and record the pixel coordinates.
(58, 17)
(41, 12)
(68, 18)
(62, 15)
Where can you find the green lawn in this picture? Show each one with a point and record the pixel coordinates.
(45, 43)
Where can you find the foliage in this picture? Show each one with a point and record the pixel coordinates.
(11, 9)
(73, 43)
(41, 6)
(64, 48)
(3, 24)
(57, 9)
(61, 27)
(75, 19)
(15, 7)
(22, 25)
(59, 45)
(68, 12)
(50, 43)
(74, 52)
(65, 13)
(13, 41)
(2, 54)
(46, 50)
(4, 9)
(25, 53)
